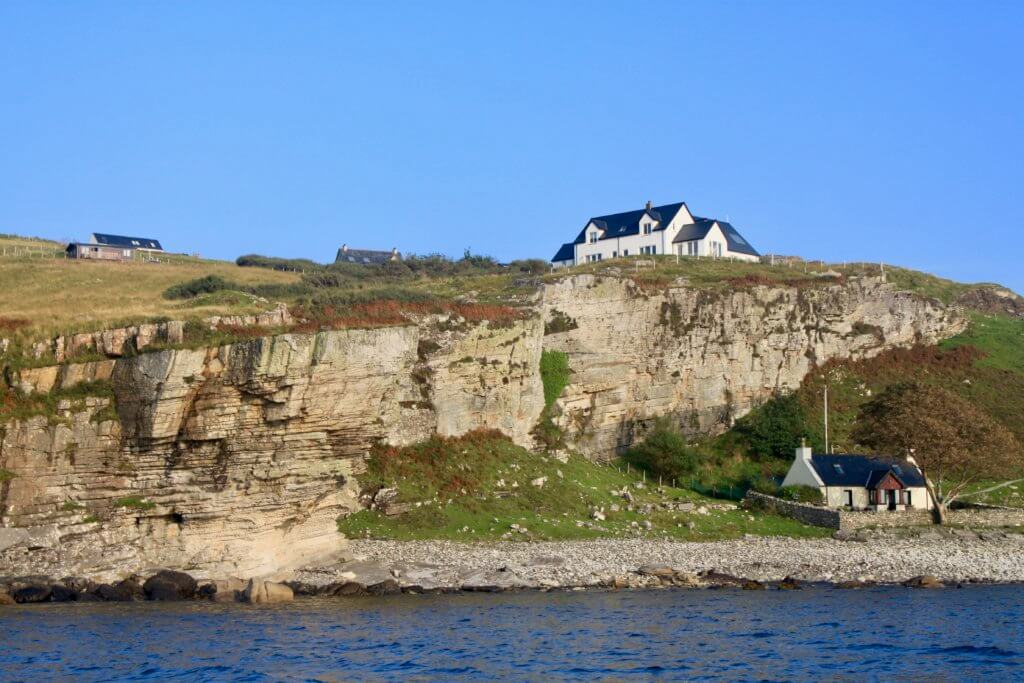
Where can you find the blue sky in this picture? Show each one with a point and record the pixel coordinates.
(843, 131)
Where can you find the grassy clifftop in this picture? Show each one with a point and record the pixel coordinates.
(41, 294)
(46, 294)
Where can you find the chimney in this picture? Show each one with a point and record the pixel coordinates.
(648, 205)
(344, 249)
(804, 451)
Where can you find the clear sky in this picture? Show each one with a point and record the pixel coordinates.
(839, 130)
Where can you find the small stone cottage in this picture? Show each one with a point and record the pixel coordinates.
(860, 482)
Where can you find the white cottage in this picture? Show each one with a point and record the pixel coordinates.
(668, 229)
(860, 482)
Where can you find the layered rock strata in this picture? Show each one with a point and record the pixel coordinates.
(707, 356)
(239, 459)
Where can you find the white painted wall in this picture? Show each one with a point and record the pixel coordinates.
(801, 472)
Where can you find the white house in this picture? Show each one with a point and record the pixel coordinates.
(668, 229)
(860, 482)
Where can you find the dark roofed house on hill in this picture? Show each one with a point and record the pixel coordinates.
(366, 256)
(123, 242)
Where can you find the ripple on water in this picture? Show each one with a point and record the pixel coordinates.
(973, 633)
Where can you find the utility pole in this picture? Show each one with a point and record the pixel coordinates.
(826, 419)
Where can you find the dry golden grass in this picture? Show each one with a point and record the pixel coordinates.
(56, 295)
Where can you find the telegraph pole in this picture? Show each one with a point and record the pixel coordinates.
(826, 419)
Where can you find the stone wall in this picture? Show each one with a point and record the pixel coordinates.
(808, 514)
(707, 356)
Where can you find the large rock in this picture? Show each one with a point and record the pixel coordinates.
(32, 594)
(494, 581)
(170, 585)
(6, 599)
(266, 592)
(224, 590)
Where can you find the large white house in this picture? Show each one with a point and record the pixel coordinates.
(860, 482)
(668, 229)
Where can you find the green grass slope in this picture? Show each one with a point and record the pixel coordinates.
(476, 487)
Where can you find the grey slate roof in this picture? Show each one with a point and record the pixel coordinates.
(566, 252)
(127, 242)
(864, 470)
(364, 256)
(628, 222)
(700, 228)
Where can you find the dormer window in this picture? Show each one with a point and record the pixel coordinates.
(648, 227)
(593, 238)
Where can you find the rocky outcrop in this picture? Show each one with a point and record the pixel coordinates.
(707, 356)
(238, 460)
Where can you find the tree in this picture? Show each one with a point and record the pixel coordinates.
(774, 429)
(952, 442)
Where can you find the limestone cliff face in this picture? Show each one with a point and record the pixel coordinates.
(707, 357)
(239, 459)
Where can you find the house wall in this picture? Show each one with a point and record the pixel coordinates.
(660, 239)
(835, 496)
(101, 253)
(801, 472)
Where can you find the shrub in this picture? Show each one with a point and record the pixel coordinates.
(202, 285)
(555, 374)
(134, 503)
(664, 452)
(801, 494)
(775, 429)
(274, 263)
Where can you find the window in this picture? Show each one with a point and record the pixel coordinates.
(647, 228)
(908, 501)
(837, 467)
(615, 254)
(593, 258)
(649, 250)
(849, 498)
(692, 248)
(593, 238)
(625, 252)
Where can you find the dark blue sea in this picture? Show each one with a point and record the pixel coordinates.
(887, 633)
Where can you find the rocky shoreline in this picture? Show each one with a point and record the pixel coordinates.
(922, 558)
(949, 556)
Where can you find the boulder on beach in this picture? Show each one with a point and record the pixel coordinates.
(6, 599)
(266, 593)
(32, 594)
(167, 585)
(923, 581)
(118, 592)
(224, 590)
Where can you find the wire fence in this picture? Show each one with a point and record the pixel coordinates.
(58, 253)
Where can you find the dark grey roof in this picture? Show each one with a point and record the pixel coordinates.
(127, 242)
(863, 470)
(736, 242)
(364, 256)
(567, 252)
(694, 231)
(699, 230)
(628, 222)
